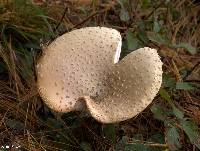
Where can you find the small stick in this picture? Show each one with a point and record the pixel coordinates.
(59, 23)
(190, 72)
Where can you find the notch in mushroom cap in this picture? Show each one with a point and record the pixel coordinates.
(73, 68)
(73, 65)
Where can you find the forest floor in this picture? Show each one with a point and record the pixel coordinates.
(172, 120)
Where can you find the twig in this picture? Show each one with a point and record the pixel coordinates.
(153, 144)
(94, 14)
(194, 81)
(156, 145)
(190, 72)
(34, 64)
(59, 23)
(87, 18)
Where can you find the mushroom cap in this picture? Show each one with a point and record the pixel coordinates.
(131, 86)
(73, 66)
(80, 70)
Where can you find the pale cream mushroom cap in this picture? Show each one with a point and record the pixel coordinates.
(75, 64)
(131, 86)
(81, 70)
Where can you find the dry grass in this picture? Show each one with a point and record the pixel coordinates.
(25, 120)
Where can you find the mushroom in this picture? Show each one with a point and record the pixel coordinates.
(81, 70)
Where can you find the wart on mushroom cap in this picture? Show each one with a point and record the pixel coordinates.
(83, 64)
